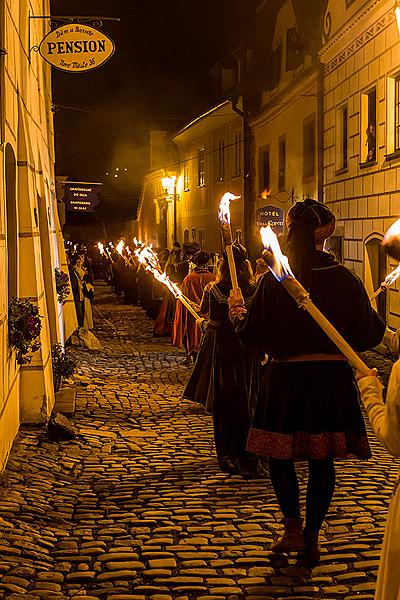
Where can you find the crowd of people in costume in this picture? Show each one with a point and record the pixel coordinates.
(275, 384)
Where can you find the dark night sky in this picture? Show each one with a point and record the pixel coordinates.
(160, 69)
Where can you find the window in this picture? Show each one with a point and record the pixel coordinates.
(238, 236)
(186, 236)
(201, 168)
(237, 154)
(221, 160)
(202, 239)
(397, 113)
(263, 170)
(343, 158)
(193, 235)
(368, 124)
(309, 148)
(282, 164)
(186, 177)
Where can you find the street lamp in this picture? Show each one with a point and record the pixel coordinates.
(169, 186)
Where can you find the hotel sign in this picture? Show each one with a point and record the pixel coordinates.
(81, 197)
(273, 216)
(76, 48)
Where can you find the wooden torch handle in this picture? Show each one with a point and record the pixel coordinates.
(232, 266)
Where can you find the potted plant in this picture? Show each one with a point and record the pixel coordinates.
(24, 326)
(62, 285)
(64, 364)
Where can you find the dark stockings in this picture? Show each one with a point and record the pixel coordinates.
(320, 489)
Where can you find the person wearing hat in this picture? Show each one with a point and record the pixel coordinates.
(308, 407)
(186, 332)
(224, 372)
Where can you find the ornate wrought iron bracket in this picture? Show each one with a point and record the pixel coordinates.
(57, 20)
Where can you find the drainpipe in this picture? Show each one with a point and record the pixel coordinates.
(249, 206)
(320, 130)
(3, 52)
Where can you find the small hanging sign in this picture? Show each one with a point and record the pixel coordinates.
(76, 48)
(81, 197)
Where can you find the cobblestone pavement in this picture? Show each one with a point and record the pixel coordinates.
(136, 508)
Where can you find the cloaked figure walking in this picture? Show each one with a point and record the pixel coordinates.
(186, 332)
(225, 376)
(308, 407)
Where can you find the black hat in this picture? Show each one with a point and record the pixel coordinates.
(191, 247)
(201, 258)
(310, 222)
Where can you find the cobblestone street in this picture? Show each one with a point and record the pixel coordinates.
(136, 507)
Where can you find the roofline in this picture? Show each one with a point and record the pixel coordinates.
(200, 117)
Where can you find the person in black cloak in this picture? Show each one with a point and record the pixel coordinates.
(308, 407)
(223, 376)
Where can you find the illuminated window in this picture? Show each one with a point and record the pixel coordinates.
(282, 164)
(186, 177)
(397, 113)
(309, 148)
(368, 125)
(201, 167)
(221, 160)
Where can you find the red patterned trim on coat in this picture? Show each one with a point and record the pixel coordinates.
(302, 445)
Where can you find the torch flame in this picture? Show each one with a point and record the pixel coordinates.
(100, 247)
(224, 214)
(120, 247)
(280, 265)
(148, 258)
(163, 278)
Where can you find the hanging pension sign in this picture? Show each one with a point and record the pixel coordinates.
(76, 48)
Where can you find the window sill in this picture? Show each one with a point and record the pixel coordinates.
(393, 155)
(342, 171)
(370, 163)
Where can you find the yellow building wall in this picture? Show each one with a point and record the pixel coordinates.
(197, 206)
(26, 393)
(362, 52)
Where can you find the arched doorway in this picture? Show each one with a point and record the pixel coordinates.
(11, 224)
(375, 271)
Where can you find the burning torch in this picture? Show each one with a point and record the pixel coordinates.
(279, 265)
(148, 258)
(389, 279)
(224, 217)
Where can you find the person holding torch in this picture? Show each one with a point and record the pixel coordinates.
(308, 407)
